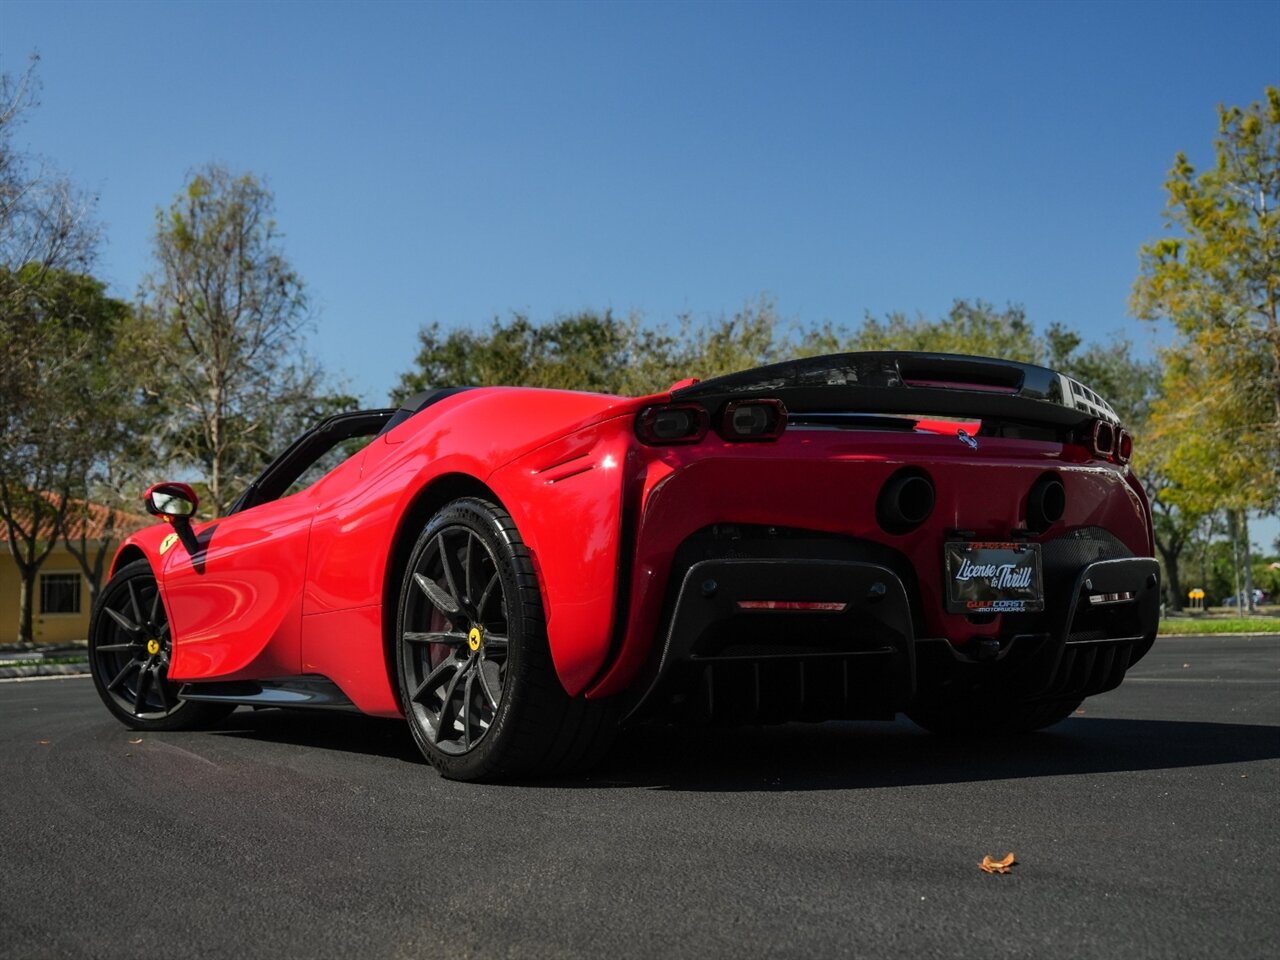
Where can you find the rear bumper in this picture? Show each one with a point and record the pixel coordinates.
(772, 639)
(1111, 615)
(827, 486)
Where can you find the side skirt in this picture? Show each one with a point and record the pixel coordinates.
(307, 692)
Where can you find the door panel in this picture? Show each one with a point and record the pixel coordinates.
(236, 606)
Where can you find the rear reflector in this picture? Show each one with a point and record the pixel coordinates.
(794, 606)
(1101, 599)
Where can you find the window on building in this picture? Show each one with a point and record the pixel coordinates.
(59, 593)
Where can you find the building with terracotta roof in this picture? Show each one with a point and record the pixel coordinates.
(61, 599)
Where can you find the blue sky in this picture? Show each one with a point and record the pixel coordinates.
(453, 162)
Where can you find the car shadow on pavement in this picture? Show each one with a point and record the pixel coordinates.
(841, 755)
(346, 732)
(859, 755)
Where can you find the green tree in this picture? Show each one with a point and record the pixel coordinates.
(45, 222)
(596, 352)
(55, 324)
(1216, 280)
(582, 351)
(1174, 526)
(1129, 384)
(123, 456)
(752, 336)
(980, 329)
(72, 410)
(228, 312)
(1266, 576)
(975, 328)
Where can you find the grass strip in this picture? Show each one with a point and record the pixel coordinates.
(1184, 626)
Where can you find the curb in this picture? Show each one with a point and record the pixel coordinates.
(45, 670)
(82, 669)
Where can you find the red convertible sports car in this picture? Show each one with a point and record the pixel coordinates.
(518, 571)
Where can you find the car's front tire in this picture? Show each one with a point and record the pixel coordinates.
(477, 683)
(129, 651)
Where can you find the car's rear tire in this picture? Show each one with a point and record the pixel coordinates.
(476, 679)
(985, 719)
(129, 651)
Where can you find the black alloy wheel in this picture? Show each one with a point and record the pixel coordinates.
(129, 651)
(476, 678)
(456, 638)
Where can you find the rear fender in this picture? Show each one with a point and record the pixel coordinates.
(566, 499)
(1140, 496)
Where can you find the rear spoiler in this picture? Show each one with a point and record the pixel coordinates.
(938, 384)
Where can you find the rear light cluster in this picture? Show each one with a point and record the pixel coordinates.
(740, 421)
(675, 423)
(1111, 442)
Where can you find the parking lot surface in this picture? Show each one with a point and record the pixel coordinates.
(1144, 826)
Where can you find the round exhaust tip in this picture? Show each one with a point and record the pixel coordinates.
(905, 502)
(1046, 503)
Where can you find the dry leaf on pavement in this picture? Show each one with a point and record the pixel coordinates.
(991, 865)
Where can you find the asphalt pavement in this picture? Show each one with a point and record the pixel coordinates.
(1145, 826)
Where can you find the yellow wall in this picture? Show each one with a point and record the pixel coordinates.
(46, 627)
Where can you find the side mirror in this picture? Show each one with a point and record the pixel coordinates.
(175, 504)
(171, 501)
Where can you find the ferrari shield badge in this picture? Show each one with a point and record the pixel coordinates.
(168, 542)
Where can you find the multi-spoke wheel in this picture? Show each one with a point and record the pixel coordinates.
(129, 656)
(457, 658)
(476, 679)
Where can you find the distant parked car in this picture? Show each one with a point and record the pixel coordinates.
(1259, 597)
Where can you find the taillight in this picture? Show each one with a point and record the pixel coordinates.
(752, 420)
(1109, 442)
(674, 423)
(1124, 446)
(1103, 439)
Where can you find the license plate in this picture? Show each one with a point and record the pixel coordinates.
(993, 577)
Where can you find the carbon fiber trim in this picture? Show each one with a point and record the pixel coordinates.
(905, 382)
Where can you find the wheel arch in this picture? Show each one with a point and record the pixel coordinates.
(426, 502)
(127, 555)
(566, 500)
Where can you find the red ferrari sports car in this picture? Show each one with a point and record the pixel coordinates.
(518, 571)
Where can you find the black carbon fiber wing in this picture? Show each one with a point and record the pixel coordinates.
(937, 384)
